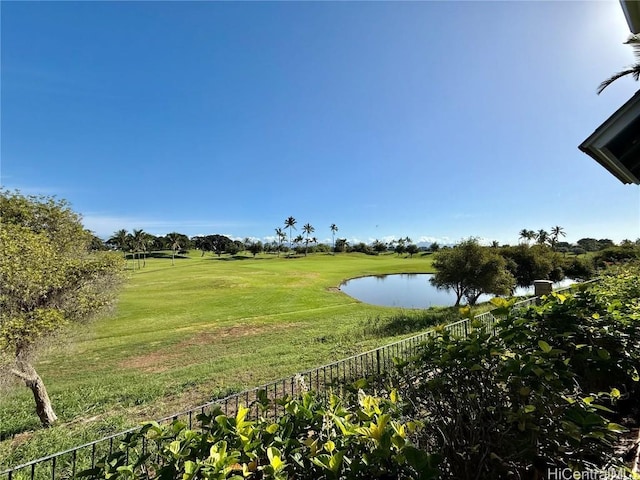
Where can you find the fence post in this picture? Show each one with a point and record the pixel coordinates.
(378, 361)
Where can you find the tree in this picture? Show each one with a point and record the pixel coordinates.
(527, 235)
(96, 242)
(49, 278)
(334, 229)
(281, 238)
(633, 70)
(379, 246)
(246, 244)
(297, 241)
(400, 247)
(528, 264)
(412, 249)
(589, 244)
(174, 239)
(138, 242)
(556, 233)
(605, 243)
(308, 230)
(471, 270)
(255, 248)
(542, 237)
(202, 243)
(341, 245)
(290, 223)
(120, 241)
(220, 244)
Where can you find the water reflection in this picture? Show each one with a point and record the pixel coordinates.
(410, 290)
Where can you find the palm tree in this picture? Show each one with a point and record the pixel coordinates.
(527, 235)
(281, 236)
(174, 238)
(334, 229)
(146, 243)
(290, 223)
(298, 240)
(138, 243)
(308, 230)
(542, 236)
(633, 70)
(556, 233)
(120, 240)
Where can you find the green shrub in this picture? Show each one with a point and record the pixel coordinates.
(409, 321)
(312, 439)
(543, 393)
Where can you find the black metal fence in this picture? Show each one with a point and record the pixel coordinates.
(66, 464)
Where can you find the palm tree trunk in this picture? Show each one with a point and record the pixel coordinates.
(32, 380)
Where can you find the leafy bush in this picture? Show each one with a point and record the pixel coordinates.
(614, 254)
(545, 392)
(580, 268)
(311, 439)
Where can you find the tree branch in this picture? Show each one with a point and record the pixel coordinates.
(21, 375)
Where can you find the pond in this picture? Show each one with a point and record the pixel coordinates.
(411, 290)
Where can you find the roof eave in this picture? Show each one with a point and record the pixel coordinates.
(631, 9)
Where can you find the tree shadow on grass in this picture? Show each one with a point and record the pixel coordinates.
(168, 255)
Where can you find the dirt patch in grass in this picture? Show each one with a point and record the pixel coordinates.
(164, 359)
(222, 333)
(154, 362)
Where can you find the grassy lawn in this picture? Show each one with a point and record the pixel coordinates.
(183, 334)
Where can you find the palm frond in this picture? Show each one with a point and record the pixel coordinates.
(633, 70)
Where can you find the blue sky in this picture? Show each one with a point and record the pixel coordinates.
(433, 120)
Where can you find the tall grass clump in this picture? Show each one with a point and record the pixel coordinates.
(408, 321)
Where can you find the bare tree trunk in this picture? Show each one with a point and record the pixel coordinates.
(32, 380)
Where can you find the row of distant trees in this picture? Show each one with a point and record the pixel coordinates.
(139, 243)
(552, 239)
(470, 269)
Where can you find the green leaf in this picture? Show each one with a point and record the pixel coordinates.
(271, 429)
(544, 346)
(322, 461)
(190, 467)
(335, 462)
(275, 459)
(174, 447)
(538, 371)
(393, 396)
(616, 427)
